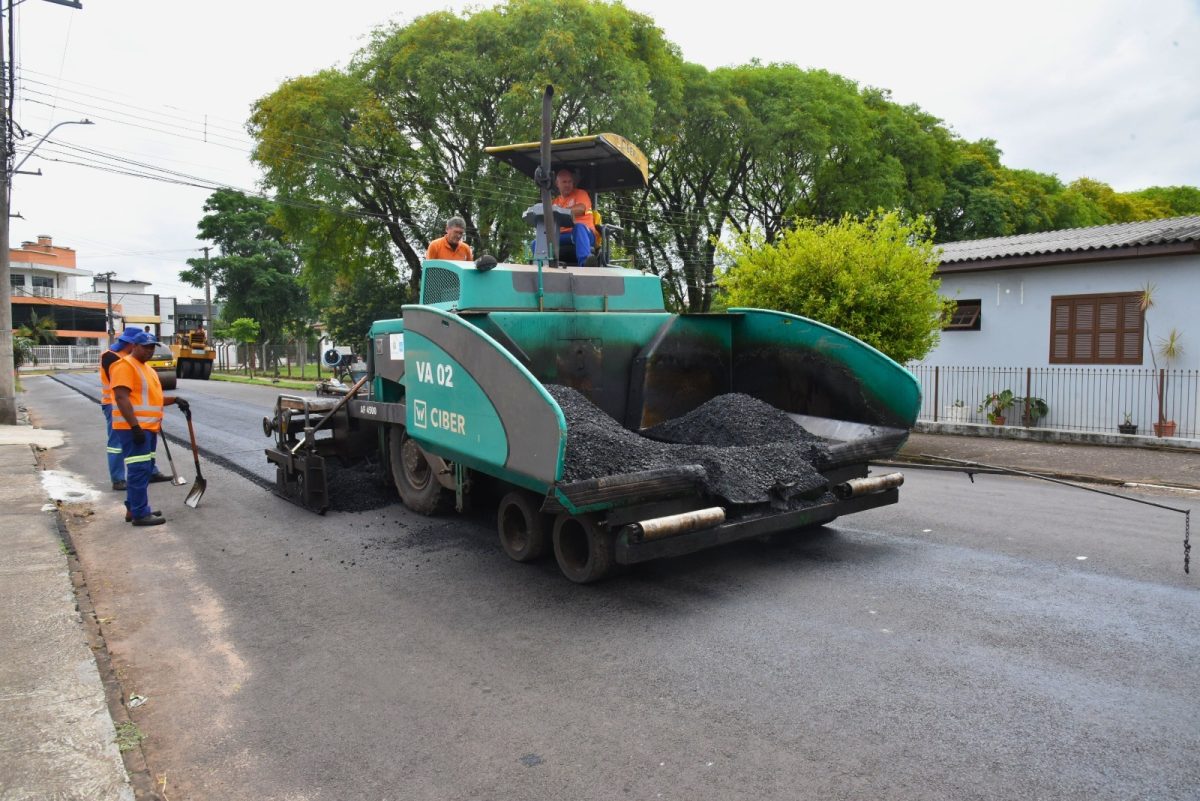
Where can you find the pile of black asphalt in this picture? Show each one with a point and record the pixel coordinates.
(357, 487)
(750, 451)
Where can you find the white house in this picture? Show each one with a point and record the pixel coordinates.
(1061, 312)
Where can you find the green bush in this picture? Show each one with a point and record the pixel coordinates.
(872, 278)
(23, 352)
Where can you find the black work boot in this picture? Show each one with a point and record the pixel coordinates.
(159, 478)
(118, 486)
(149, 520)
(129, 517)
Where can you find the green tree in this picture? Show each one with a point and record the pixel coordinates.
(359, 301)
(1116, 206)
(394, 144)
(1177, 201)
(256, 273)
(244, 331)
(814, 153)
(697, 161)
(872, 278)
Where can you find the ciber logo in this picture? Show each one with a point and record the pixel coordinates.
(419, 417)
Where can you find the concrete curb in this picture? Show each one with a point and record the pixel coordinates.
(1058, 435)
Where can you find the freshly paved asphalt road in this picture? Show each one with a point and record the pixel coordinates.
(954, 646)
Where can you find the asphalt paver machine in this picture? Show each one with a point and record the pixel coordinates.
(580, 401)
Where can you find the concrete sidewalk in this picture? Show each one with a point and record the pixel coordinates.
(60, 741)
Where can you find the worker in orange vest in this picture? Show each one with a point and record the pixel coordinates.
(112, 354)
(137, 418)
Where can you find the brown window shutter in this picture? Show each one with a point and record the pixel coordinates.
(1096, 329)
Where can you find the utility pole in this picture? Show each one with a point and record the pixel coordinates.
(112, 332)
(8, 382)
(207, 292)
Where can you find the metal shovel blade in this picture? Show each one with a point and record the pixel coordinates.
(196, 493)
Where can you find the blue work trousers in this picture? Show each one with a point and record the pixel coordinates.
(581, 237)
(139, 466)
(116, 462)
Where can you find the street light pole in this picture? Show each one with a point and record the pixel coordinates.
(84, 121)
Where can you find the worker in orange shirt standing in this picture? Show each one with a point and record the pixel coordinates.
(451, 247)
(111, 355)
(582, 235)
(138, 403)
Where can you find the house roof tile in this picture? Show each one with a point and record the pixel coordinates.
(1073, 240)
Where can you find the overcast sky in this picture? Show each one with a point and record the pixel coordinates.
(1101, 89)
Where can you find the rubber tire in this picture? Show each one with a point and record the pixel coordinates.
(585, 550)
(168, 380)
(522, 528)
(206, 371)
(418, 487)
(185, 368)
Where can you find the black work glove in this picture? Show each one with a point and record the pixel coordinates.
(183, 405)
(139, 436)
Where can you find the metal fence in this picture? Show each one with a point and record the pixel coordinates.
(64, 357)
(1077, 398)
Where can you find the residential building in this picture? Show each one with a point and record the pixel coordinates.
(44, 284)
(1062, 312)
(138, 307)
(1072, 297)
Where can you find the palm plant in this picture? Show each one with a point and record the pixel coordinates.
(1170, 348)
(40, 330)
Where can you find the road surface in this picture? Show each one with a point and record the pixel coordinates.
(998, 640)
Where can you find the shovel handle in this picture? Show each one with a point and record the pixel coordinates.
(192, 435)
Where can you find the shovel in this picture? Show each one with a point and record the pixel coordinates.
(176, 479)
(198, 487)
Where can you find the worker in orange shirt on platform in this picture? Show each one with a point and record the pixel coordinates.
(451, 247)
(582, 235)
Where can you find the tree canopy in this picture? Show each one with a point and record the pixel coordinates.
(366, 162)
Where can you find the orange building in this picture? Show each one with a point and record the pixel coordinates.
(43, 279)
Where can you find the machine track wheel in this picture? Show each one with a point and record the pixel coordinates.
(418, 487)
(524, 534)
(167, 381)
(585, 550)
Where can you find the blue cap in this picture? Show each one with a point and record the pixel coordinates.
(144, 338)
(127, 337)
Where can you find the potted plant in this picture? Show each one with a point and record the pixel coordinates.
(1034, 409)
(956, 412)
(995, 404)
(1170, 348)
(1128, 426)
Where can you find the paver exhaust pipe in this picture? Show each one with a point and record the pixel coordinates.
(868, 486)
(680, 523)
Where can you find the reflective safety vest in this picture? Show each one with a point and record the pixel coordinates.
(106, 394)
(145, 393)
